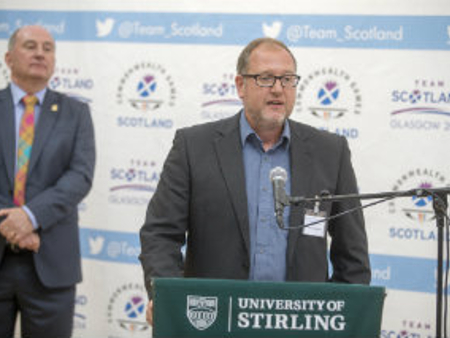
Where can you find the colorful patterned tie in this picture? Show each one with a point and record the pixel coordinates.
(26, 136)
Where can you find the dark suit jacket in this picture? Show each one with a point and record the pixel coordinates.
(202, 190)
(59, 176)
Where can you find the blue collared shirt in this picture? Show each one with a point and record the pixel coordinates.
(19, 109)
(268, 243)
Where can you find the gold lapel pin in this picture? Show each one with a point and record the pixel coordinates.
(54, 108)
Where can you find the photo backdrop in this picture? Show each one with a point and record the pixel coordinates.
(379, 77)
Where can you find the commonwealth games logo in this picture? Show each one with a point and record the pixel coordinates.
(127, 308)
(417, 208)
(328, 94)
(146, 86)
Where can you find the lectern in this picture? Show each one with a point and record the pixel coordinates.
(187, 307)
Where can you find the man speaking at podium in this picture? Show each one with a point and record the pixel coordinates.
(215, 187)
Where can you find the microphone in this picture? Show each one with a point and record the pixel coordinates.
(278, 176)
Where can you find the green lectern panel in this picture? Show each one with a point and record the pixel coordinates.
(188, 307)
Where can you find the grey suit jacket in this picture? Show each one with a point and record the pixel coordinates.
(59, 176)
(202, 191)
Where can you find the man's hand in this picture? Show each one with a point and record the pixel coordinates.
(149, 313)
(31, 242)
(16, 226)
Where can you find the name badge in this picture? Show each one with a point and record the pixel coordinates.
(316, 218)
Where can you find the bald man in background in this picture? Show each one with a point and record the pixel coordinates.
(47, 159)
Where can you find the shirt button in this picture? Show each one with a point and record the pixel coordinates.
(264, 189)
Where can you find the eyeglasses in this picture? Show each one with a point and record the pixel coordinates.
(290, 80)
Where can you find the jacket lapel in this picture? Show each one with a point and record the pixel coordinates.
(229, 154)
(301, 176)
(7, 132)
(45, 125)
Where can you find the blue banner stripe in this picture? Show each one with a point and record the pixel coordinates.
(404, 273)
(111, 246)
(321, 31)
(392, 272)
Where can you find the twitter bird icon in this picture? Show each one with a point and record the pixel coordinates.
(104, 28)
(96, 244)
(272, 30)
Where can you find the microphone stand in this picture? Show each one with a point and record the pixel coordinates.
(440, 205)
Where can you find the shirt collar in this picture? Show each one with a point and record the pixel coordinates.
(18, 94)
(247, 131)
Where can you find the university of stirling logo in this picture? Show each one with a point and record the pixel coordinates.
(201, 311)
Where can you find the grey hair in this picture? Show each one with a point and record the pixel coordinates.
(12, 39)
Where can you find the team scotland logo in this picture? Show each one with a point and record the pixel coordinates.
(133, 183)
(220, 99)
(425, 106)
(201, 311)
(72, 82)
(409, 328)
